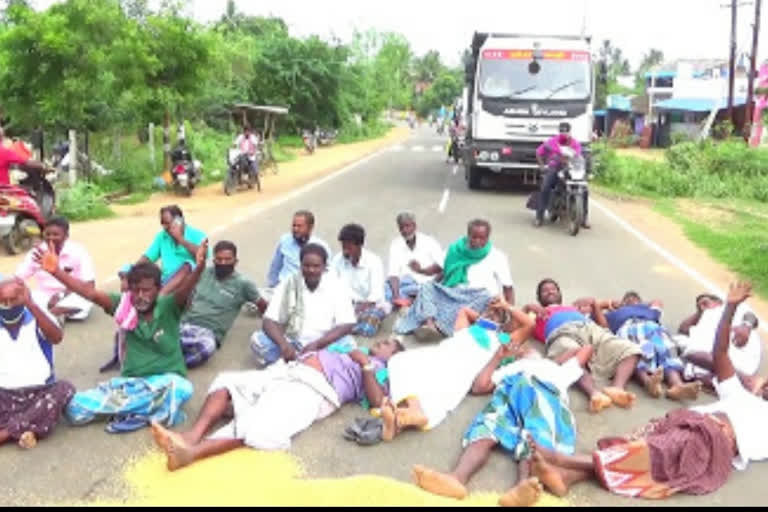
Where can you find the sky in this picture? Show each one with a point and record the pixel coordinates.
(680, 28)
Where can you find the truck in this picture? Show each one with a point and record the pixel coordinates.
(519, 88)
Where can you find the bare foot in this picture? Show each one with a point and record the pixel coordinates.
(411, 416)
(28, 440)
(689, 391)
(388, 418)
(179, 453)
(620, 397)
(438, 483)
(524, 494)
(654, 383)
(548, 475)
(599, 401)
(755, 384)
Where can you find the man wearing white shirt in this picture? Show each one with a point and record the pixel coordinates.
(414, 259)
(309, 311)
(362, 273)
(698, 338)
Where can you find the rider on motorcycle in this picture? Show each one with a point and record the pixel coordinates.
(549, 156)
(9, 157)
(248, 143)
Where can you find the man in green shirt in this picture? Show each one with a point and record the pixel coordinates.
(218, 298)
(153, 385)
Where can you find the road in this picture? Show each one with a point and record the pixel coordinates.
(86, 463)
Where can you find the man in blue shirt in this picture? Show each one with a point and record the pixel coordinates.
(286, 262)
(176, 245)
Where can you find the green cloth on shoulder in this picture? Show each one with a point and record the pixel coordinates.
(459, 258)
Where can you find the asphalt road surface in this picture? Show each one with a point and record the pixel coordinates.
(85, 462)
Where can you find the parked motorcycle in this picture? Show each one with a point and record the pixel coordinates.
(327, 137)
(310, 140)
(567, 200)
(24, 209)
(185, 172)
(239, 172)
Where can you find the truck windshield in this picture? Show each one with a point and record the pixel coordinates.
(557, 80)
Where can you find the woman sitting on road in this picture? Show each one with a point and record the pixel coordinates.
(428, 383)
(474, 271)
(689, 451)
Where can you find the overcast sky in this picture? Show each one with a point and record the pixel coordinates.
(681, 28)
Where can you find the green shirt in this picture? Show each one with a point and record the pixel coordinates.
(174, 255)
(153, 348)
(216, 303)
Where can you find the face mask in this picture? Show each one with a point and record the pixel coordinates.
(11, 315)
(223, 271)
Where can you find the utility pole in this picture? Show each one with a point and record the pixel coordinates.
(752, 73)
(732, 59)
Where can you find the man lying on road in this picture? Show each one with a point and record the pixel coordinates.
(414, 259)
(530, 400)
(633, 320)
(697, 333)
(657, 461)
(309, 311)
(565, 328)
(153, 384)
(31, 399)
(273, 405)
(73, 259)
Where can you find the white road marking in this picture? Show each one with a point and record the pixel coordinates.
(674, 260)
(437, 148)
(399, 147)
(417, 148)
(455, 169)
(444, 201)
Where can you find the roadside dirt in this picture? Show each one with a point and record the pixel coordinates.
(668, 234)
(121, 239)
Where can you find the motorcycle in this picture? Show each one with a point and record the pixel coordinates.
(310, 141)
(568, 198)
(185, 172)
(440, 128)
(327, 137)
(239, 172)
(24, 209)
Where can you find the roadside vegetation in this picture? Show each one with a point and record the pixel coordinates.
(108, 68)
(716, 190)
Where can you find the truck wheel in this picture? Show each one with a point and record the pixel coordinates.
(474, 177)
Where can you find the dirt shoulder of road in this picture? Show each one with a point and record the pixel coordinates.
(121, 239)
(669, 234)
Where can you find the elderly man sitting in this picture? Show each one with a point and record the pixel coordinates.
(697, 337)
(414, 259)
(309, 311)
(31, 399)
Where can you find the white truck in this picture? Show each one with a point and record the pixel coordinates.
(519, 89)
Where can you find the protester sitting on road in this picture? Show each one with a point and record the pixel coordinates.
(429, 382)
(530, 400)
(269, 407)
(176, 246)
(414, 259)
(286, 260)
(216, 302)
(74, 259)
(564, 329)
(362, 273)
(118, 353)
(31, 399)
(153, 384)
(474, 271)
(310, 310)
(657, 461)
(696, 341)
(633, 320)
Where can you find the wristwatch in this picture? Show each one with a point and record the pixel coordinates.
(369, 367)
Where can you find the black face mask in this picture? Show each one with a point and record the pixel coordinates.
(223, 271)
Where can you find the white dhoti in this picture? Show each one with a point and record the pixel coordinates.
(273, 405)
(71, 301)
(440, 376)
